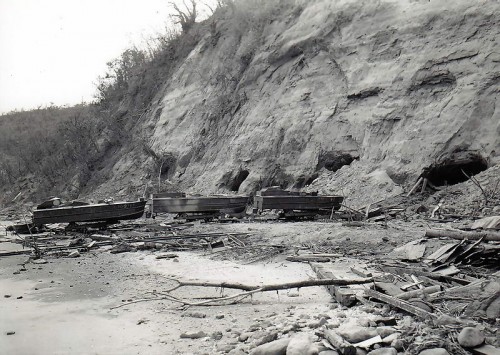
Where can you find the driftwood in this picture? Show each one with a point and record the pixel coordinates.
(401, 304)
(271, 287)
(462, 235)
(15, 252)
(307, 259)
(248, 290)
(419, 292)
(432, 275)
(340, 343)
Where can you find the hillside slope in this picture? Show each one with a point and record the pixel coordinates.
(334, 93)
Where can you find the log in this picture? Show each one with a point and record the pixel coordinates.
(401, 304)
(462, 235)
(420, 292)
(340, 343)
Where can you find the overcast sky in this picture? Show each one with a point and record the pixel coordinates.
(52, 51)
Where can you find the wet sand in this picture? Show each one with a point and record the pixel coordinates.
(66, 304)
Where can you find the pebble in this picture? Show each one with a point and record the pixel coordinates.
(277, 347)
(383, 351)
(74, 254)
(244, 337)
(318, 323)
(386, 331)
(219, 316)
(267, 338)
(398, 344)
(225, 348)
(196, 335)
(10, 333)
(39, 261)
(194, 315)
(216, 335)
(7, 296)
(435, 351)
(470, 337)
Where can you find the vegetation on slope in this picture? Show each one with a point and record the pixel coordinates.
(60, 150)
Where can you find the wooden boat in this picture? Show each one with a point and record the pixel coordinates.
(78, 212)
(194, 204)
(297, 202)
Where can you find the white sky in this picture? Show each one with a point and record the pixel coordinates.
(52, 51)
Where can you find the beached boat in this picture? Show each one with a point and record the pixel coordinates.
(296, 202)
(79, 212)
(195, 204)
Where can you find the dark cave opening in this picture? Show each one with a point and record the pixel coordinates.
(238, 180)
(333, 161)
(452, 172)
(305, 180)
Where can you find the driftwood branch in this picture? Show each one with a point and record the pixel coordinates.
(272, 287)
(248, 290)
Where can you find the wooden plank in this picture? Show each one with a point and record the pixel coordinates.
(401, 304)
(297, 202)
(342, 295)
(462, 235)
(485, 350)
(435, 276)
(419, 292)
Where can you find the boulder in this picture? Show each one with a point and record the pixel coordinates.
(356, 333)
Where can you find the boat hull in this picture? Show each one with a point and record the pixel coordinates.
(298, 202)
(90, 213)
(234, 204)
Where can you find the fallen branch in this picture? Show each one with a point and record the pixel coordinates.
(461, 235)
(248, 290)
(272, 287)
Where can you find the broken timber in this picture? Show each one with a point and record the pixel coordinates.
(343, 295)
(401, 304)
(277, 199)
(462, 235)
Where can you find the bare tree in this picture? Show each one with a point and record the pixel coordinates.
(187, 17)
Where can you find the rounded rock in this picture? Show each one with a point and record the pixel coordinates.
(470, 337)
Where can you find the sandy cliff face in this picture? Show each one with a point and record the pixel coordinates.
(389, 87)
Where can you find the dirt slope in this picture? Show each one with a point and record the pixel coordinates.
(282, 94)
